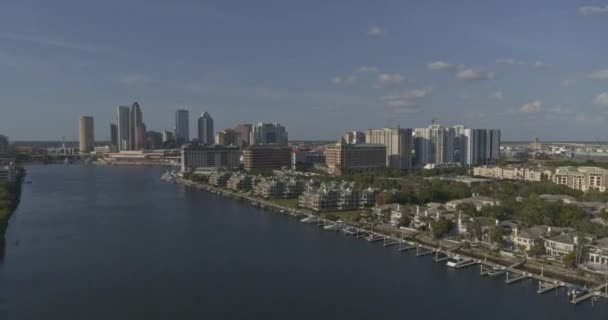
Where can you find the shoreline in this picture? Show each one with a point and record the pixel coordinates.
(518, 269)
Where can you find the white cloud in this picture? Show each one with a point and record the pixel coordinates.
(389, 80)
(367, 69)
(445, 66)
(498, 95)
(408, 101)
(540, 65)
(376, 31)
(599, 74)
(568, 83)
(471, 74)
(602, 99)
(593, 10)
(344, 80)
(531, 107)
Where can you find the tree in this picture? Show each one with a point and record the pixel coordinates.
(496, 236)
(604, 215)
(441, 227)
(383, 198)
(570, 259)
(538, 249)
(477, 230)
(405, 221)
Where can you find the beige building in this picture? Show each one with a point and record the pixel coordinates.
(360, 157)
(398, 143)
(582, 178)
(513, 173)
(86, 134)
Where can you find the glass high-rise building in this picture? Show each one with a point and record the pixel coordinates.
(205, 128)
(137, 132)
(182, 126)
(124, 128)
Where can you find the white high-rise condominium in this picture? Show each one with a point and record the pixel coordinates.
(205, 128)
(434, 144)
(480, 146)
(268, 133)
(182, 126)
(124, 128)
(398, 142)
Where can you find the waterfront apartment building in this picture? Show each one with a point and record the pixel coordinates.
(239, 181)
(582, 178)
(209, 157)
(268, 133)
(398, 143)
(205, 128)
(182, 126)
(4, 144)
(124, 128)
(359, 157)
(219, 178)
(266, 157)
(86, 134)
(244, 131)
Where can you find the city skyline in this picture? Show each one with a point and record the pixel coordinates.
(384, 64)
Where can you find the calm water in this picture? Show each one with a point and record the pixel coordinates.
(116, 243)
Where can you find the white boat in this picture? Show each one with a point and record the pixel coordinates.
(351, 231)
(335, 226)
(310, 219)
(457, 261)
(496, 271)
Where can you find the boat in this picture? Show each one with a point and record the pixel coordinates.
(576, 291)
(334, 226)
(374, 237)
(458, 261)
(310, 219)
(351, 231)
(496, 271)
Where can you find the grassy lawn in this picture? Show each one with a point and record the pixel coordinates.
(290, 203)
(348, 216)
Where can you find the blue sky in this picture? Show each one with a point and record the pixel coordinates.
(531, 68)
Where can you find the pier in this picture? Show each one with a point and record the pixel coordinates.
(544, 287)
(517, 278)
(423, 252)
(388, 242)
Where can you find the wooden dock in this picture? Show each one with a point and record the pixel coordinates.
(389, 242)
(544, 287)
(423, 252)
(517, 278)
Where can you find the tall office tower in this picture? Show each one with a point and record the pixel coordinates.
(268, 133)
(182, 126)
(137, 134)
(124, 129)
(493, 146)
(354, 137)
(244, 130)
(86, 134)
(113, 134)
(434, 144)
(205, 128)
(4, 144)
(398, 143)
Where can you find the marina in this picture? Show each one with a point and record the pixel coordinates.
(452, 260)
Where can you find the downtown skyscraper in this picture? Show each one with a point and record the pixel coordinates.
(205, 128)
(182, 126)
(124, 128)
(137, 131)
(86, 134)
